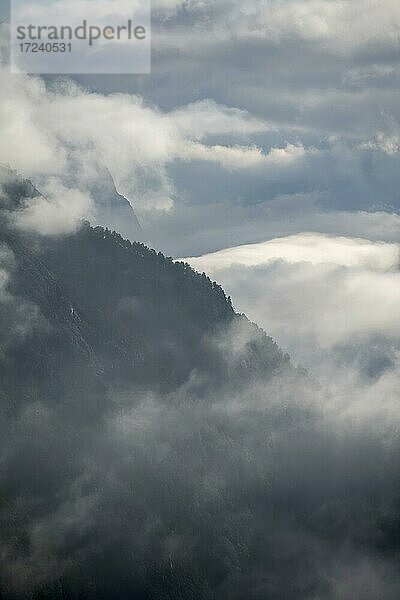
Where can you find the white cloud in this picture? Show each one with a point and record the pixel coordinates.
(373, 72)
(309, 130)
(389, 144)
(313, 248)
(58, 211)
(240, 158)
(229, 157)
(338, 27)
(44, 132)
(313, 293)
(27, 143)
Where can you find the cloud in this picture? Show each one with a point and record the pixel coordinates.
(312, 248)
(331, 301)
(231, 158)
(178, 164)
(58, 210)
(322, 68)
(245, 157)
(279, 22)
(136, 147)
(19, 316)
(88, 122)
(27, 143)
(223, 157)
(281, 486)
(206, 117)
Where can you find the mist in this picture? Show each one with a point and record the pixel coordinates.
(155, 443)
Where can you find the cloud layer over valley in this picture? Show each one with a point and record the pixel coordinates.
(332, 302)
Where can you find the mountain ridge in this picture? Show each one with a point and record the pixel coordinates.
(122, 372)
(130, 317)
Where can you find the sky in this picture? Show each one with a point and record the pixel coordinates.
(259, 119)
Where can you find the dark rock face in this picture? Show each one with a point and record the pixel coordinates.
(112, 209)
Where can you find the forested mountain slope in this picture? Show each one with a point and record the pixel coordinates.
(156, 445)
